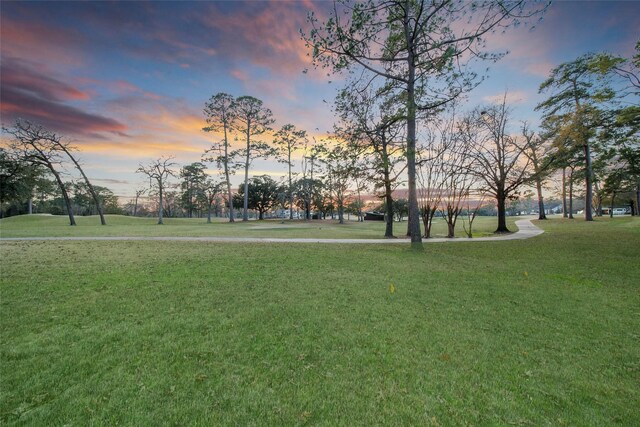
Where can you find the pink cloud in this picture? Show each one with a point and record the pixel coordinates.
(47, 43)
(511, 98)
(260, 31)
(27, 93)
(55, 115)
(18, 75)
(540, 69)
(240, 75)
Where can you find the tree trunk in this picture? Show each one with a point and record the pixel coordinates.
(388, 197)
(65, 196)
(89, 186)
(472, 217)
(541, 213)
(502, 213)
(290, 188)
(588, 216)
(160, 206)
(571, 195)
(309, 193)
(613, 198)
(209, 212)
(598, 199)
(424, 213)
(30, 206)
(414, 211)
(427, 219)
(245, 206)
(564, 192)
(451, 228)
(226, 175)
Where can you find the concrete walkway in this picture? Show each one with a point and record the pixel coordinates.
(526, 230)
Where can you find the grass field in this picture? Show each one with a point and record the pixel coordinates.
(543, 331)
(48, 225)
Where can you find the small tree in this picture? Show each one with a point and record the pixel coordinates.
(431, 177)
(211, 190)
(159, 171)
(472, 212)
(443, 171)
(340, 164)
(263, 193)
(458, 183)
(139, 192)
(193, 177)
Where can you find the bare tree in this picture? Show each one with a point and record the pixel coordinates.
(498, 161)
(159, 170)
(67, 149)
(139, 192)
(472, 213)
(440, 142)
(38, 146)
(458, 182)
(455, 164)
(431, 179)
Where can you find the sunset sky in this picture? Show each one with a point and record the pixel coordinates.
(127, 81)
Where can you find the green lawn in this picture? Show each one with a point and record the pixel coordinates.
(48, 225)
(544, 331)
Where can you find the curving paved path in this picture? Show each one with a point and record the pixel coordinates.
(526, 230)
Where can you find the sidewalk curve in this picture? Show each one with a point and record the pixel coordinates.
(526, 230)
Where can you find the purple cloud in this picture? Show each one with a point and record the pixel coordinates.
(28, 94)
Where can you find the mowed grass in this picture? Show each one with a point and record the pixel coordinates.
(543, 331)
(58, 226)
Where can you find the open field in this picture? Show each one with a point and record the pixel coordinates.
(58, 226)
(533, 332)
